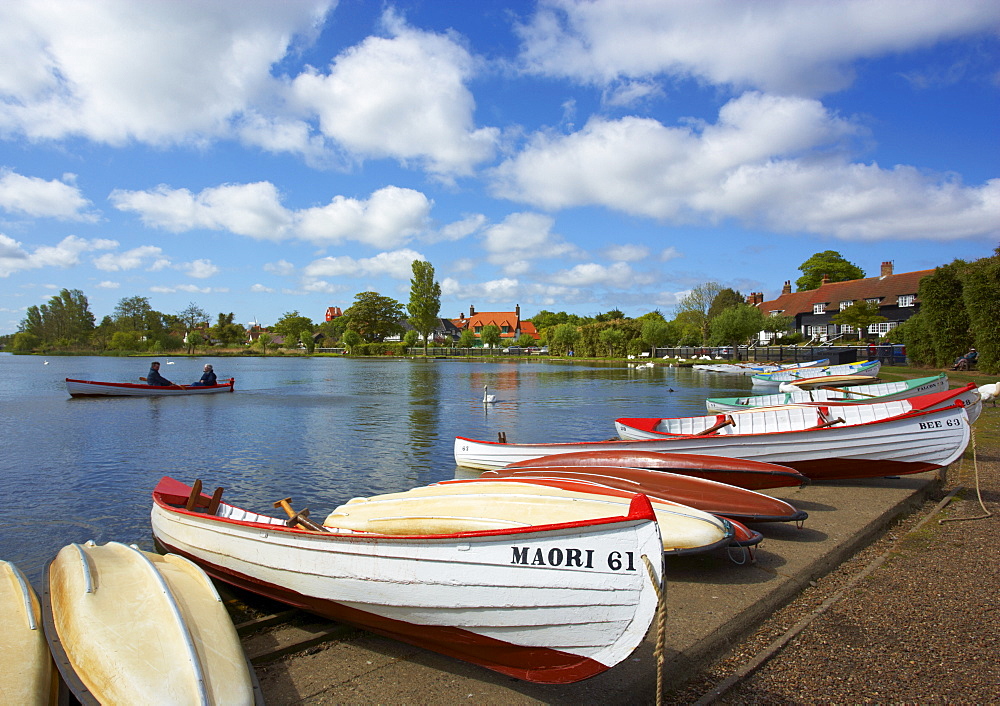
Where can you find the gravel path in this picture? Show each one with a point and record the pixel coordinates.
(923, 627)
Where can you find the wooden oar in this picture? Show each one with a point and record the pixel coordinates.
(298, 518)
(715, 427)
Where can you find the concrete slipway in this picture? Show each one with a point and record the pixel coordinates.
(711, 600)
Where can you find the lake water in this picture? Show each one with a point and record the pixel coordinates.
(321, 430)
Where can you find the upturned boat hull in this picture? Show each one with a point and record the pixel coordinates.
(553, 604)
(706, 495)
(131, 627)
(26, 669)
(93, 388)
(868, 368)
(743, 473)
(872, 392)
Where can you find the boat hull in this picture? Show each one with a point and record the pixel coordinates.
(468, 505)
(911, 443)
(872, 392)
(93, 388)
(552, 604)
(867, 369)
(26, 668)
(743, 473)
(181, 645)
(706, 495)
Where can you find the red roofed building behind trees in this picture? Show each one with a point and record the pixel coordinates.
(509, 323)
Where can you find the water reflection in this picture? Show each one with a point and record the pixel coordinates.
(321, 430)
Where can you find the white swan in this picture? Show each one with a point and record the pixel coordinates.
(989, 393)
(488, 399)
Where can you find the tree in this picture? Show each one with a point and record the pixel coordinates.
(425, 300)
(490, 336)
(737, 325)
(695, 305)
(374, 316)
(291, 325)
(467, 339)
(564, 337)
(614, 339)
(830, 263)
(655, 334)
(226, 332)
(778, 324)
(133, 314)
(410, 339)
(725, 299)
(263, 341)
(613, 315)
(191, 317)
(65, 320)
(306, 339)
(526, 340)
(350, 339)
(859, 315)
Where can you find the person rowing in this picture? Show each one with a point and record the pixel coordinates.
(153, 377)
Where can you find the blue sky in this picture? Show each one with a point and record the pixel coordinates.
(265, 156)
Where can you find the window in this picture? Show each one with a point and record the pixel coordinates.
(777, 312)
(845, 304)
(875, 300)
(819, 308)
(505, 329)
(883, 327)
(479, 329)
(906, 299)
(847, 329)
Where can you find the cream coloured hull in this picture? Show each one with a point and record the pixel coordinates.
(26, 669)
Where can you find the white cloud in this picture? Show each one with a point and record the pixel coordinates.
(592, 274)
(522, 237)
(253, 210)
(390, 217)
(626, 252)
(199, 269)
(458, 229)
(108, 284)
(260, 288)
(130, 259)
(35, 197)
(14, 257)
(187, 288)
(800, 46)
(771, 162)
(282, 268)
(155, 72)
(402, 96)
(397, 264)
(668, 254)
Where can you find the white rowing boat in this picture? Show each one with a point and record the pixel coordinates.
(908, 443)
(93, 388)
(754, 368)
(871, 392)
(26, 670)
(132, 627)
(552, 604)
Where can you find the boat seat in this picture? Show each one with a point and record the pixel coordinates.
(231, 512)
(196, 500)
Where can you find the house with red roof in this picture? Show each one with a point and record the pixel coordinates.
(813, 310)
(510, 324)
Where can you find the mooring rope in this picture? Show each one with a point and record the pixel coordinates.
(979, 494)
(661, 624)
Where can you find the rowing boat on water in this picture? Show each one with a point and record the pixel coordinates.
(907, 443)
(867, 368)
(26, 669)
(93, 388)
(743, 473)
(552, 604)
(469, 505)
(872, 392)
(127, 627)
(706, 495)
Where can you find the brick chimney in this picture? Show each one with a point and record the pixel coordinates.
(886, 269)
(755, 298)
(472, 311)
(826, 280)
(517, 312)
(787, 289)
